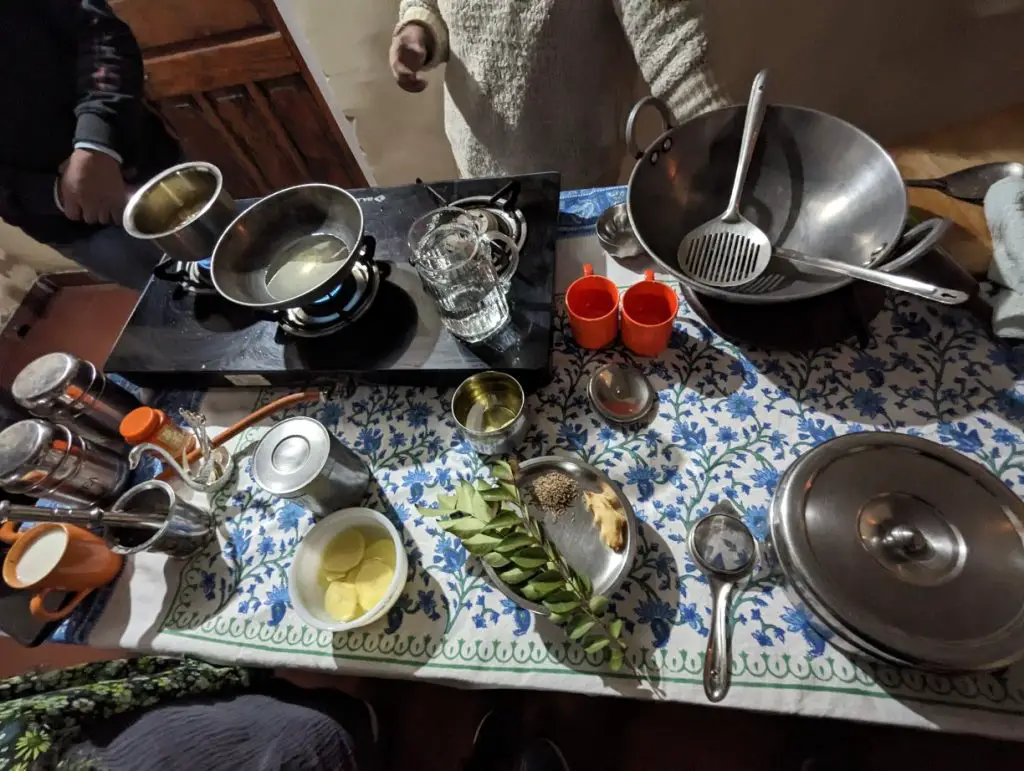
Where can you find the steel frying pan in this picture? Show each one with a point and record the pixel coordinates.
(817, 185)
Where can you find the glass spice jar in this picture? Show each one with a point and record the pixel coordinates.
(148, 424)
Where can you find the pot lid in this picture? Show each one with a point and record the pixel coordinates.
(290, 455)
(905, 548)
(621, 394)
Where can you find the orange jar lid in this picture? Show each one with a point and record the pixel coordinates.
(140, 424)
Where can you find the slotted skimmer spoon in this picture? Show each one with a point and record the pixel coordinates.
(730, 250)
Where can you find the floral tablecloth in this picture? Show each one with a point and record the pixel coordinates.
(730, 419)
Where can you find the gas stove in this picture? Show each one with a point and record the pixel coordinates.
(378, 325)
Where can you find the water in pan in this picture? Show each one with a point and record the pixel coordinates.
(306, 262)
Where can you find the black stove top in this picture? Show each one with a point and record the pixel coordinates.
(181, 338)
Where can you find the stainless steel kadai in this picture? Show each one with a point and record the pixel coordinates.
(904, 550)
(817, 185)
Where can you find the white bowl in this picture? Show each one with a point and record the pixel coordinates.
(304, 587)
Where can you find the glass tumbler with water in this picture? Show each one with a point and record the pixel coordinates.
(455, 263)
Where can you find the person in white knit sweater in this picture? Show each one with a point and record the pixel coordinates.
(541, 85)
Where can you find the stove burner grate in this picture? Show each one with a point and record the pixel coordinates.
(339, 308)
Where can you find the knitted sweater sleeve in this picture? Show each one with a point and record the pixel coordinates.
(668, 42)
(426, 12)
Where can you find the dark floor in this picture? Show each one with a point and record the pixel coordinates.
(84, 320)
(428, 727)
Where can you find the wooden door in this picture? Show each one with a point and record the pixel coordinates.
(228, 81)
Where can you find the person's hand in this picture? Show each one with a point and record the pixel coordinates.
(91, 188)
(409, 50)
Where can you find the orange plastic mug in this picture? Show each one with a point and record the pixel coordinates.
(55, 556)
(593, 306)
(648, 309)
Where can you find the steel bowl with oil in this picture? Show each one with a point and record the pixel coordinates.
(291, 248)
(488, 412)
(183, 210)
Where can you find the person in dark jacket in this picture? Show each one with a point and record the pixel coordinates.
(75, 135)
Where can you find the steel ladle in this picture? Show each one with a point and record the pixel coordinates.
(725, 551)
(972, 183)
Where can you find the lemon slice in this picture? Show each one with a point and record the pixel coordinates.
(344, 552)
(383, 550)
(372, 581)
(342, 601)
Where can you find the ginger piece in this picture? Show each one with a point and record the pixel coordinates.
(609, 518)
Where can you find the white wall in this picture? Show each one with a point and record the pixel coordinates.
(346, 42)
(894, 67)
(22, 259)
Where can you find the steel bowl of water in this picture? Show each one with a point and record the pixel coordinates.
(291, 248)
(488, 412)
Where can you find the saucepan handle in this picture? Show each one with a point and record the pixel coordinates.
(367, 248)
(632, 147)
(928, 233)
(169, 270)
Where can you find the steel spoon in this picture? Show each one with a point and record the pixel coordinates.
(939, 294)
(972, 183)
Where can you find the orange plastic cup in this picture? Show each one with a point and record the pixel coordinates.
(593, 306)
(648, 309)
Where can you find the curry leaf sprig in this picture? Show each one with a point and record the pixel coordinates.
(495, 525)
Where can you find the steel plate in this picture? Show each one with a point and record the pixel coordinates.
(573, 531)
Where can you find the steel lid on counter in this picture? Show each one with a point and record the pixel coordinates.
(906, 549)
(291, 455)
(621, 394)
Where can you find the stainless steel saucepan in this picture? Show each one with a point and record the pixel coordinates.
(183, 210)
(817, 186)
(291, 248)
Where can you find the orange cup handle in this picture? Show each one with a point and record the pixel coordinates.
(36, 605)
(9, 532)
(588, 270)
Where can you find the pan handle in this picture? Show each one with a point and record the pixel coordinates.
(367, 248)
(928, 233)
(169, 270)
(667, 120)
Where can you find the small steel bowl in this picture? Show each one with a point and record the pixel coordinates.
(488, 412)
(183, 210)
(616, 235)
